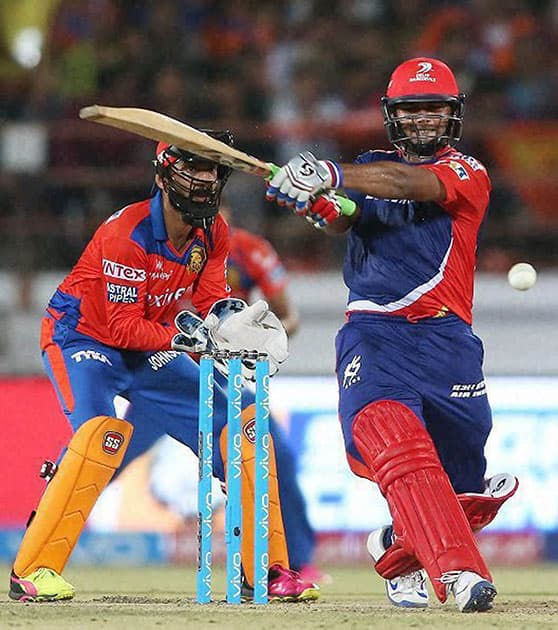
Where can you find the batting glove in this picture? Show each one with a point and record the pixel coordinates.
(301, 178)
(324, 210)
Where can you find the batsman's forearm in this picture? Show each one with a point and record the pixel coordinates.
(391, 180)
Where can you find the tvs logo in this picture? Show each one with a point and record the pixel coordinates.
(197, 259)
(249, 430)
(112, 441)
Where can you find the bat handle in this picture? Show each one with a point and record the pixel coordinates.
(347, 206)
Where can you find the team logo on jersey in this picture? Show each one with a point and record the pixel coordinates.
(196, 259)
(123, 272)
(121, 293)
(112, 441)
(423, 73)
(459, 169)
(351, 374)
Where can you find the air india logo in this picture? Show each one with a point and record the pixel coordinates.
(112, 441)
(196, 259)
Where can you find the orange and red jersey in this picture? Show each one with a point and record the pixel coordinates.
(125, 288)
(254, 264)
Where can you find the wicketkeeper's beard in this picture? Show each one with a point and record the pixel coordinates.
(197, 210)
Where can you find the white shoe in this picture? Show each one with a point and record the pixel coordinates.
(406, 591)
(500, 485)
(471, 591)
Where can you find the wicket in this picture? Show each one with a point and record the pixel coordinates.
(233, 511)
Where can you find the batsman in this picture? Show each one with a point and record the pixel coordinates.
(412, 397)
(110, 329)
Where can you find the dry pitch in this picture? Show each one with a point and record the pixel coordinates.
(164, 598)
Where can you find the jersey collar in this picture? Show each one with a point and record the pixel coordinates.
(157, 219)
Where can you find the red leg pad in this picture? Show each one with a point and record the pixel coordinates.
(427, 517)
(480, 510)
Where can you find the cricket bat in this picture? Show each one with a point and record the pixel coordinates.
(161, 128)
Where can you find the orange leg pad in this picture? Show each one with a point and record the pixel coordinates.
(278, 553)
(426, 513)
(94, 453)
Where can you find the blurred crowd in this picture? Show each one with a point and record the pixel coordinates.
(283, 76)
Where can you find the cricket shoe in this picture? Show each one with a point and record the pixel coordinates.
(405, 591)
(43, 585)
(472, 592)
(285, 585)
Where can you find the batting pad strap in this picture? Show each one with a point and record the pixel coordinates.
(481, 509)
(278, 553)
(94, 453)
(426, 513)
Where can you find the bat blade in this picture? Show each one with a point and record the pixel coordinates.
(162, 128)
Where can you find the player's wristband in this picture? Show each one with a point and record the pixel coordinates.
(336, 173)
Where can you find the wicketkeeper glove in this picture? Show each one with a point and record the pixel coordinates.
(193, 336)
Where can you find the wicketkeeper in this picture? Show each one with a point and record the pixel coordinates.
(109, 331)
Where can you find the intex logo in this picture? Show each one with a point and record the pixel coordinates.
(90, 355)
(423, 73)
(164, 299)
(118, 270)
(112, 441)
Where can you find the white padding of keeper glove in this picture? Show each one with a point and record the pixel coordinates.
(255, 329)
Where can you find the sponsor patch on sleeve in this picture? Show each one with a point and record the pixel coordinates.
(121, 293)
(459, 169)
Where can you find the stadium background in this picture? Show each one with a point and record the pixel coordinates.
(282, 76)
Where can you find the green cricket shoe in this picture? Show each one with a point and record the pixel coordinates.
(43, 585)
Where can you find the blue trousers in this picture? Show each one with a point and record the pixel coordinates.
(435, 368)
(162, 389)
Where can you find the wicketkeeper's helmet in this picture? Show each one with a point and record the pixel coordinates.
(195, 198)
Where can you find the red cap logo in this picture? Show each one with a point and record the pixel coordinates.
(422, 77)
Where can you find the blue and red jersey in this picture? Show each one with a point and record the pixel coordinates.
(125, 288)
(417, 259)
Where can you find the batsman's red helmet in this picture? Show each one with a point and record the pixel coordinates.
(422, 77)
(423, 80)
